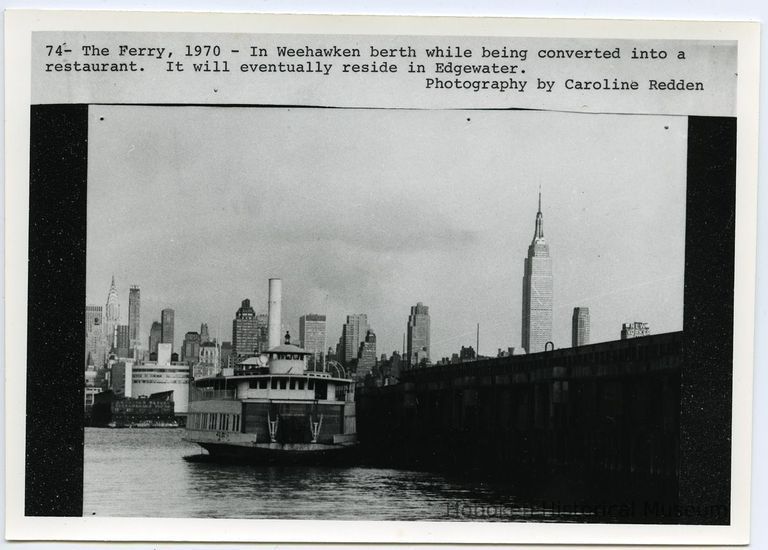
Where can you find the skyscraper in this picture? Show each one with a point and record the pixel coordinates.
(580, 327)
(134, 315)
(537, 291)
(92, 315)
(312, 332)
(111, 316)
(94, 336)
(95, 345)
(155, 336)
(204, 337)
(226, 352)
(352, 333)
(190, 349)
(244, 333)
(123, 338)
(366, 357)
(418, 334)
(166, 320)
(262, 332)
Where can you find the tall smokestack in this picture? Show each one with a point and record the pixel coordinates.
(275, 311)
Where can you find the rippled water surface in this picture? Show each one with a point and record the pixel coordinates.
(141, 472)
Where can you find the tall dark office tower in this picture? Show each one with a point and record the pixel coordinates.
(580, 327)
(244, 333)
(262, 332)
(190, 349)
(111, 316)
(418, 335)
(134, 315)
(537, 291)
(123, 339)
(312, 334)
(366, 357)
(226, 352)
(204, 337)
(166, 320)
(155, 336)
(352, 333)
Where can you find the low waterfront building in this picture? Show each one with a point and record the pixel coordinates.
(144, 378)
(156, 410)
(634, 330)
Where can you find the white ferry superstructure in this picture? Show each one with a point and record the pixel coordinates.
(271, 409)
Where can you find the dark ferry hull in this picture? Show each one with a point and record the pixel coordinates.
(246, 447)
(277, 454)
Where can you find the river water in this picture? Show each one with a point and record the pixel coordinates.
(142, 472)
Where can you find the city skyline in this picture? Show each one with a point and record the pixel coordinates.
(615, 221)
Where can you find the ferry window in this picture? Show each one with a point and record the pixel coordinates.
(283, 383)
(226, 422)
(310, 384)
(321, 390)
(301, 384)
(263, 384)
(274, 383)
(253, 384)
(293, 383)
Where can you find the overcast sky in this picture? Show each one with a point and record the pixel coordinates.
(370, 211)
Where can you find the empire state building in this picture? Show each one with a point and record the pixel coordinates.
(537, 291)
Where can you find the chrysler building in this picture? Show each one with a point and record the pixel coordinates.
(111, 317)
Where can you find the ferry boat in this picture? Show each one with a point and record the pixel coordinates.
(271, 409)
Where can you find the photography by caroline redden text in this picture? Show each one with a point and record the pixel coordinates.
(496, 274)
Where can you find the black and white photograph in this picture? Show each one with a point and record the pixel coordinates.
(301, 290)
(465, 314)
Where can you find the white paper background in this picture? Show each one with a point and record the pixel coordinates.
(650, 9)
